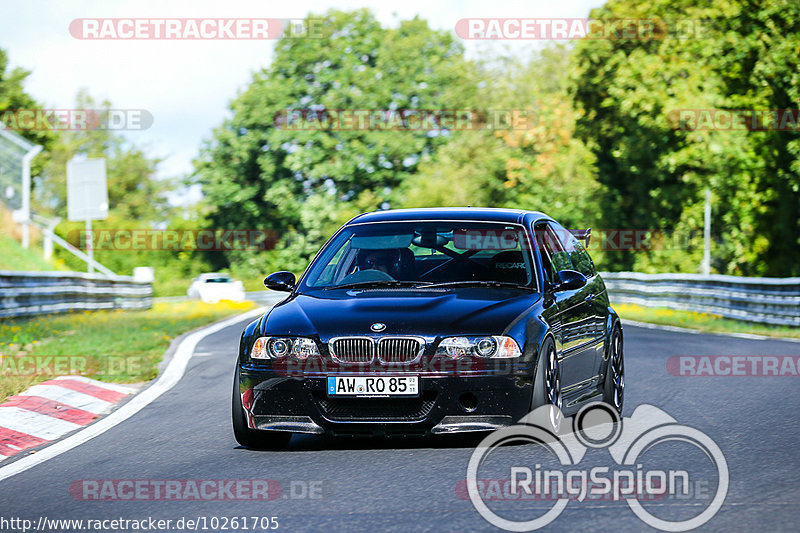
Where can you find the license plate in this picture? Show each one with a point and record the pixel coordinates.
(379, 386)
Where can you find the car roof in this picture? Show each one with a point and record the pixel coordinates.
(478, 214)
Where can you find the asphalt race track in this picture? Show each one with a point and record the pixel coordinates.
(410, 484)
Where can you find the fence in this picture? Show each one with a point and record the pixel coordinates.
(37, 293)
(765, 300)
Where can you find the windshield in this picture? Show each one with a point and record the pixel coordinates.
(424, 253)
(218, 279)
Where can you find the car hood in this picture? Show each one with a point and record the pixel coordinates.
(425, 313)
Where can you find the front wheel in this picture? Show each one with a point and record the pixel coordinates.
(253, 438)
(614, 386)
(547, 389)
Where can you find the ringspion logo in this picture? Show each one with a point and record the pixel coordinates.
(595, 426)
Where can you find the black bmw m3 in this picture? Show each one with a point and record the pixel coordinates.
(430, 321)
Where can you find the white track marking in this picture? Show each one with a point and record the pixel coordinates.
(679, 329)
(79, 400)
(168, 379)
(124, 389)
(35, 424)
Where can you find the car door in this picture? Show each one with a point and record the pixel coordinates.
(597, 295)
(593, 294)
(572, 318)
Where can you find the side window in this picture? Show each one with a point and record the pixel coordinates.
(327, 274)
(553, 256)
(577, 254)
(560, 258)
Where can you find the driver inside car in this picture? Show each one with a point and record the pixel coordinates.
(387, 261)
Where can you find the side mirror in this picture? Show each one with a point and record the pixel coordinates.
(569, 280)
(280, 281)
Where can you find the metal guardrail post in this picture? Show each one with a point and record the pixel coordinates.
(38, 293)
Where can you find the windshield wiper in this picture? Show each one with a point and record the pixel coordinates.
(478, 283)
(375, 283)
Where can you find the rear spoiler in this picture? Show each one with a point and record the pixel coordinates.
(582, 235)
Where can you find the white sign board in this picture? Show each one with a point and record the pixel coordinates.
(147, 274)
(87, 192)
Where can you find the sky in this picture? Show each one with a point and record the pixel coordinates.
(187, 85)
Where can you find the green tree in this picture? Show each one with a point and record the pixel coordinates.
(134, 192)
(14, 98)
(137, 198)
(540, 166)
(742, 55)
(257, 175)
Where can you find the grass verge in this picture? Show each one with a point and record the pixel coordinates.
(165, 286)
(701, 321)
(115, 346)
(14, 257)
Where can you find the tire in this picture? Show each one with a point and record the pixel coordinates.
(253, 438)
(547, 388)
(614, 382)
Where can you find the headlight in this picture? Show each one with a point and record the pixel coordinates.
(279, 347)
(454, 347)
(304, 348)
(495, 347)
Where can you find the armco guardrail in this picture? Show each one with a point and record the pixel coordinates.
(39, 293)
(765, 300)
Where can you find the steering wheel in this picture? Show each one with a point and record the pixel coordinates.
(366, 275)
(449, 263)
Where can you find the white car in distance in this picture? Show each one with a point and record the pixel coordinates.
(213, 287)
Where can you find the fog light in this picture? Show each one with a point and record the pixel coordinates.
(468, 401)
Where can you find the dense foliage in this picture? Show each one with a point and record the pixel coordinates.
(741, 55)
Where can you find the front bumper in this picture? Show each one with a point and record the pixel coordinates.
(447, 403)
